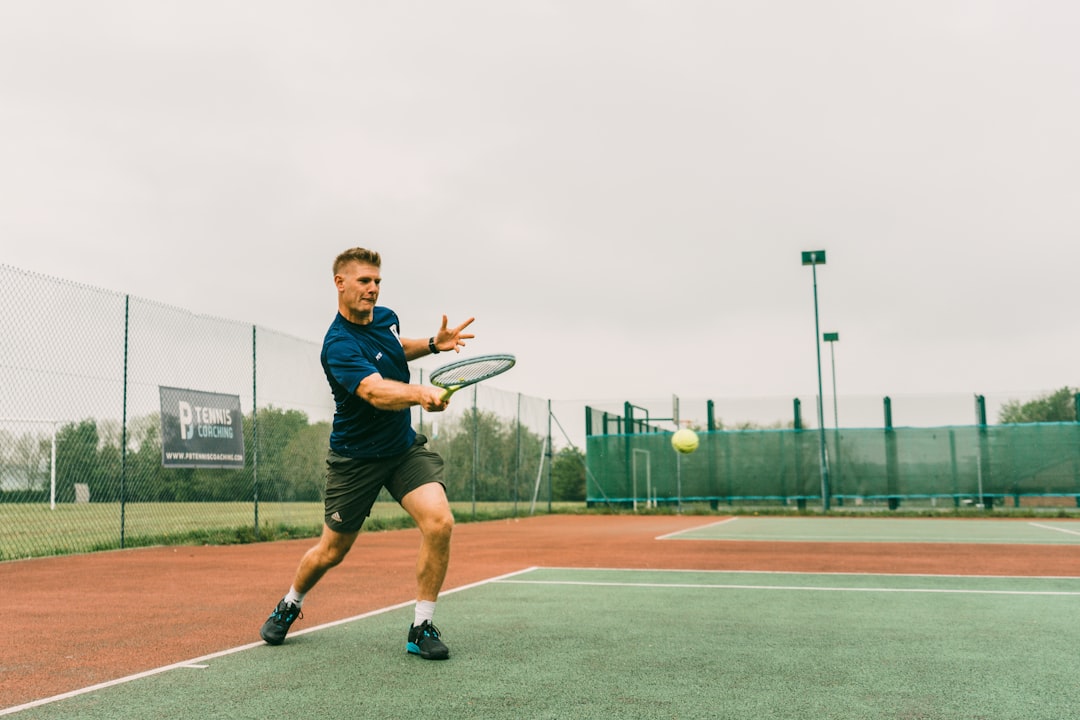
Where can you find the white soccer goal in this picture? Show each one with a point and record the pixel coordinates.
(646, 462)
(13, 433)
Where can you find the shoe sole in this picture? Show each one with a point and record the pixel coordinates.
(270, 640)
(414, 649)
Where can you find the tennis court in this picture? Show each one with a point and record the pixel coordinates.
(635, 624)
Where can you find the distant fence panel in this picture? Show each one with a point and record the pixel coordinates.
(81, 434)
(961, 464)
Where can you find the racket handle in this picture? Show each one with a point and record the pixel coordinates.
(447, 393)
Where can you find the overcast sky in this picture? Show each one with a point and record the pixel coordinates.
(618, 191)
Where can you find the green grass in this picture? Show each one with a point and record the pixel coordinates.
(33, 530)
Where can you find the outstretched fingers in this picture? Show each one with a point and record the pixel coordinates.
(456, 335)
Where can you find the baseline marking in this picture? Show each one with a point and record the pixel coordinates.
(1051, 527)
(802, 572)
(694, 529)
(847, 538)
(808, 588)
(199, 661)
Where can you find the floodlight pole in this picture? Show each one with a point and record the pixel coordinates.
(814, 258)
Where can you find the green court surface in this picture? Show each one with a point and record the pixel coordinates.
(905, 530)
(569, 643)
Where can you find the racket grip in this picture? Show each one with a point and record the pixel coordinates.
(447, 393)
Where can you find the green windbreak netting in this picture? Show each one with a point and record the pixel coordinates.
(1003, 461)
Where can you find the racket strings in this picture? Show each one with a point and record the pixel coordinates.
(471, 372)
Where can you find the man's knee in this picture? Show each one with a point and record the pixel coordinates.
(333, 556)
(333, 547)
(438, 524)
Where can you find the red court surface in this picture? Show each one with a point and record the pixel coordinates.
(75, 621)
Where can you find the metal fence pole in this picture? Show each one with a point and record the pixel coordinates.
(255, 426)
(549, 453)
(517, 461)
(123, 432)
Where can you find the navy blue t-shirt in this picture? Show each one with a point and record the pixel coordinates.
(350, 353)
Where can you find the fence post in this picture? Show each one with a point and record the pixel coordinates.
(710, 427)
(550, 454)
(954, 467)
(892, 479)
(517, 455)
(476, 447)
(983, 466)
(123, 433)
(628, 430)
(1076, 465)
(800, 502)
(980, 410)
(255, 429)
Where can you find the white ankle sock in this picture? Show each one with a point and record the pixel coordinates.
(425, 610)
(294, 597)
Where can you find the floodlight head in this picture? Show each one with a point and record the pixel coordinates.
(831, 337)
(813, 257)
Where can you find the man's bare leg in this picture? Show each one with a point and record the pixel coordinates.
(331, 549)
(430, 510)
(328, 552)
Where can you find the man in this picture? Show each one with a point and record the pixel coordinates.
(373, 445)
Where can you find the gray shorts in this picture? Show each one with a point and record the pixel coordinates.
(353, 484)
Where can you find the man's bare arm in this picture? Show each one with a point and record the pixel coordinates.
(393, 395)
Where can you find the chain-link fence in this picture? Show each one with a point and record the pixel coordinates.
(84, 461)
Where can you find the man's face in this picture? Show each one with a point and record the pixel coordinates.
(358, 290)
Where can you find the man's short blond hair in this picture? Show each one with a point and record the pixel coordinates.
(357, 254)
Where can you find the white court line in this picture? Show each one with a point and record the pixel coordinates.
(845, 538)
(800, 572)
(1051, 527)
(198, 662)
(129, 678)
(694, 529)
(808, 588)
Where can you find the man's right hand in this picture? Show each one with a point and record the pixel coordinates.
(431, 399)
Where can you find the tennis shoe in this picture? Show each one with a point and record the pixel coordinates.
(424, 641)
(277, 625)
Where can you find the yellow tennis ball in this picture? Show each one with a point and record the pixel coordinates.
(685, 440)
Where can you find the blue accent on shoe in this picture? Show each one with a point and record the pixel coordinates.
(424, 641)
(281, 619)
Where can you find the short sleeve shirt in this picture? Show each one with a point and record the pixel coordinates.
(351, 353)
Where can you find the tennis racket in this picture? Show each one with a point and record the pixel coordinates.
(464, 373)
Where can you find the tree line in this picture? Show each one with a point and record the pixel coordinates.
(1057, 406)
(487, 459)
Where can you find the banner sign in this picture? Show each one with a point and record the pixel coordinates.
(201, 429)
